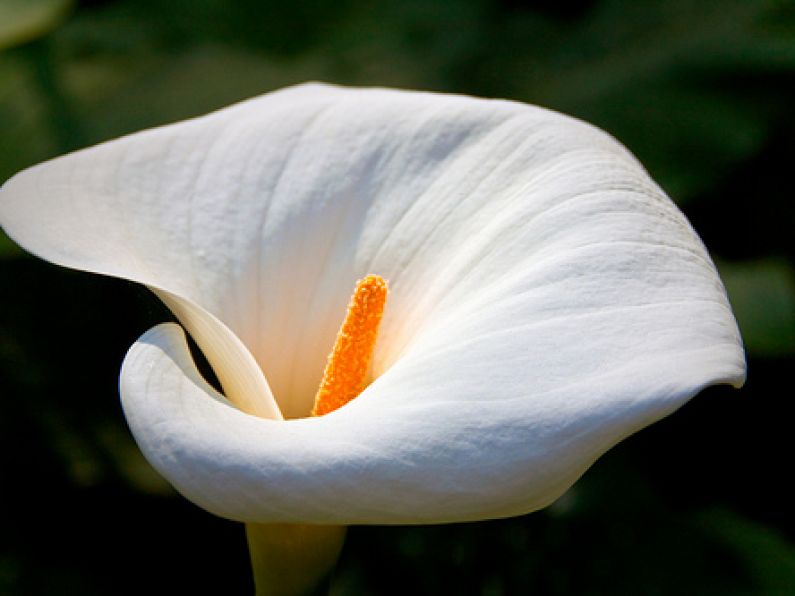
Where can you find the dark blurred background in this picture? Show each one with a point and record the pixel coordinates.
(702, 91)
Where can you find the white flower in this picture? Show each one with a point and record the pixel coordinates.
(546, 299)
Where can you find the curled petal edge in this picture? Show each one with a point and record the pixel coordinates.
(349, 467)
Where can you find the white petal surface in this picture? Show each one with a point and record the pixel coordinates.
(546, 299)
(237, 371)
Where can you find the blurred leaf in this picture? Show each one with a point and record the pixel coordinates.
(762, 294)
(686, 137)
(24, 20)
(280, 28)
(409, 44)
(130, 463)
(767, 556)
(27, 138)
(667, 77)
(627, 43)
(8, 248)
(124, 93)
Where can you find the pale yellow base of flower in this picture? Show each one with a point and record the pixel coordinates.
(292, 559)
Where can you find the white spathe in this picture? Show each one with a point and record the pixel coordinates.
(546, 298)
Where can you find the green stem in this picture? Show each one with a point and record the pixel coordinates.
(292, 559)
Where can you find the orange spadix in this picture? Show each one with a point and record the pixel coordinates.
(348, 366)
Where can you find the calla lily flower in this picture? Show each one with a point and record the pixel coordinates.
(546, 299)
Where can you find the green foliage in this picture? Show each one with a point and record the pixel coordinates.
(24, 20)
(27, 135)
(768, 557)
(664, 77)
(762, 294)
(8, 248)
(701, 90)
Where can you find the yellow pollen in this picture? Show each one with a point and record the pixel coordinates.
(348, 364)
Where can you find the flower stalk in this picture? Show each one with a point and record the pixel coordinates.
(292, 559)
